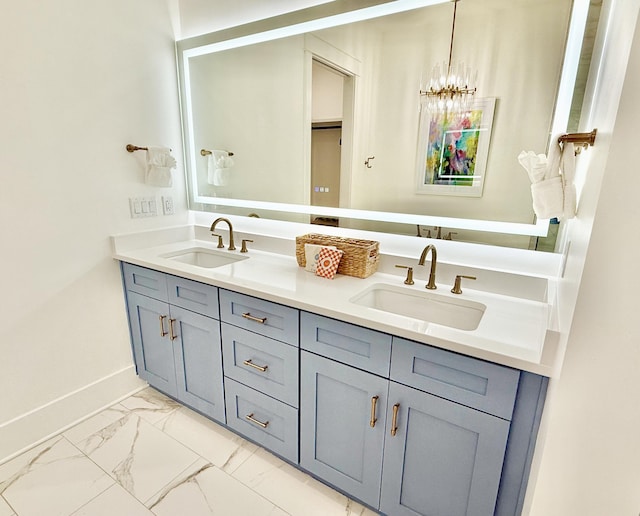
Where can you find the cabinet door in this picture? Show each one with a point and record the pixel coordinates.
(445, 458)
(198, 359)
(337, 440)
(152, 347)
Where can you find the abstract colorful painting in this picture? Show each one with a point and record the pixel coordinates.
(453, 149)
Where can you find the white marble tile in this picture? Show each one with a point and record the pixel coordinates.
(139, 456)
(114, 501)
(209, 491)
(95, 423)
(292, 490)
(218, 445)
(53, 478)
(5, 509)
(151, 405)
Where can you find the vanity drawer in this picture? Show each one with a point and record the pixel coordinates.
(353, 345)
(267, 365)
(194, 296)
(263, 317)
(266, 421)
(145, 281)
(475, 383)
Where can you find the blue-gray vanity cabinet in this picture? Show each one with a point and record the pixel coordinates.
(152, 349)
(342, 424)
(176, 339)
(261, 366)
(440, 457)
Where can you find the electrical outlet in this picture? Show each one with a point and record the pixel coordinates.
(167, 205)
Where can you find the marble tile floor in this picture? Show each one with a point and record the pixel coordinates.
(149, 455)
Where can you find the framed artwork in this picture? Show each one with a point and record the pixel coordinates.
(453, 149)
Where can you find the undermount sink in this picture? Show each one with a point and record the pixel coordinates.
(428, 306)
(203, 257)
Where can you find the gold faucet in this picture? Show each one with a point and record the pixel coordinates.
(232, 247)
(431, 285)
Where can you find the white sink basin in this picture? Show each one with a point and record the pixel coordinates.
(424, 305)
(203, 257)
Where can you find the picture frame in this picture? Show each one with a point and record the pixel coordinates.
(453, 148)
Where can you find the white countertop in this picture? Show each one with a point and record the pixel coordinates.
(513, 331)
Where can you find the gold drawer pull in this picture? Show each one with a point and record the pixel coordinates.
(374, 402)
(162, 332)
(394, 420)
(255, 366)
(249, 417)
(260, 320)
(172, 335)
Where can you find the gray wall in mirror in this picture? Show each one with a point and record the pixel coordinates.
(256, 102)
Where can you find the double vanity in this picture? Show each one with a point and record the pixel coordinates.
(412, 401)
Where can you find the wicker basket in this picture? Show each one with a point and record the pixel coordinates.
(360, 258)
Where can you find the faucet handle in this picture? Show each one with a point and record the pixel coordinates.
(220, 242)
(456, 285)
(244, 249)
(409, 280)
(449, 235)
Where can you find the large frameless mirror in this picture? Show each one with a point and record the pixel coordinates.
(319, 121)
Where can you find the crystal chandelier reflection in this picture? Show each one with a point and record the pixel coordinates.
(450, 87)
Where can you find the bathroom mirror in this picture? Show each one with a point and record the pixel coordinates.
(277, 93)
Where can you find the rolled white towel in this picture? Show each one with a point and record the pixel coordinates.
(548, 198)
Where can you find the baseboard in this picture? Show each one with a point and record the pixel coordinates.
(42, 423)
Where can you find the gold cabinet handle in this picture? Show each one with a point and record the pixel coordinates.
(172, 335)
(249, 417)
(374, 402)
(162, 332)
(260, 320)
(255, 366)
(394, 420)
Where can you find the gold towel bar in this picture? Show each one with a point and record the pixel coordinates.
(205, 152)
(584, 139)
(133, 148)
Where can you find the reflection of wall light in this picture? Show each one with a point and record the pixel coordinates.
(368, 13)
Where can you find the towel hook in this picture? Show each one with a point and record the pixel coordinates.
(205, 152)
(366, 161)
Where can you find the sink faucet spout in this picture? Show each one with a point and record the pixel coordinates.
(232, 247)
(431, 285)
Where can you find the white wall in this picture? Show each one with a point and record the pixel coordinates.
(79, 81)
(592, 450)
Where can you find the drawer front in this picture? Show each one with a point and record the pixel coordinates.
(360, 347)
(481, 385)
(264, 364)
(145, 281)
(263, 317)
(194, 296)
(266, 421)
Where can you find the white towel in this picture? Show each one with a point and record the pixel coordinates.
(547, 188)
(548, 198)
(159, 165)
(219, 165)
(534, 164)
(568, 166)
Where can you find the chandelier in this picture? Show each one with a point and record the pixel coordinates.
(450, 87)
